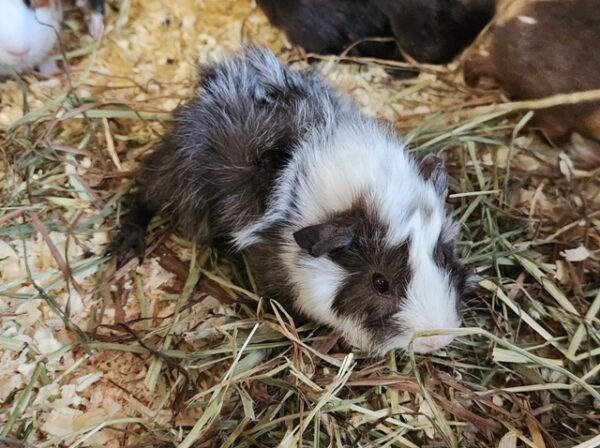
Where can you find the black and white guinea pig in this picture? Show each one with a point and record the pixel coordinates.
(339, 223)
(29, 32)
(430, 31)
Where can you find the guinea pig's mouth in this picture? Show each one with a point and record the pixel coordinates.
(428, 344)
(420, 345)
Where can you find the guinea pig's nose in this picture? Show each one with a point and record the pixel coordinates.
(18, 52)
(431, 343)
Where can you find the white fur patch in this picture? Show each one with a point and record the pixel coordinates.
(527, 19)
(360, 159)
(430, 301)
(23, 30)
(316, 282)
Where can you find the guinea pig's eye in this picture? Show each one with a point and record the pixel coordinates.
(380, 283)
(27, 3)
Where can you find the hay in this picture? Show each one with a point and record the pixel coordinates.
(181, 351)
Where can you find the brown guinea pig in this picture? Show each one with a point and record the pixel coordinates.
(539, 48)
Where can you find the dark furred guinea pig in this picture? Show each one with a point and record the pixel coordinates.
(431, 31)
(339, 223)
(543, 48)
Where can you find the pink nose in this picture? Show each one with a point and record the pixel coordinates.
(431, 343)
(18, 52)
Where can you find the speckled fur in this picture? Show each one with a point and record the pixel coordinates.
(264, 154)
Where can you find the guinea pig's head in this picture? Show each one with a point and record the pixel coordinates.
(28, 32)
(382, 275)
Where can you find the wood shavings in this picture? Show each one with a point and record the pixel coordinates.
(578, 254)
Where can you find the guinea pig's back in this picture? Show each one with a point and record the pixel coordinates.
(546, 49)
(227, 147)
(332, 26)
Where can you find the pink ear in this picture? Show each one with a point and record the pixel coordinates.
(432, 169)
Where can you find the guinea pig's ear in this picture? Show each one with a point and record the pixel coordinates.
(432, 169)
(322, 239)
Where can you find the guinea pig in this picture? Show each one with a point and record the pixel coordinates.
(542, 48)
(96, 22)
(331, 26)
(430, 31)
(435, 31)
(29, 32)
(339, 223)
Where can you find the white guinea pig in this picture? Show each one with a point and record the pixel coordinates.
(339, 223)
(29, 32)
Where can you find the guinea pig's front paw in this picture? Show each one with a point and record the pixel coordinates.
(129, 240)
(49, 68)
(96, 25)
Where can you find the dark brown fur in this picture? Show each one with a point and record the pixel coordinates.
(557, 54)
(366, 256)
(445, 257)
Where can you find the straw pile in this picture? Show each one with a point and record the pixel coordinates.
(182, 352)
